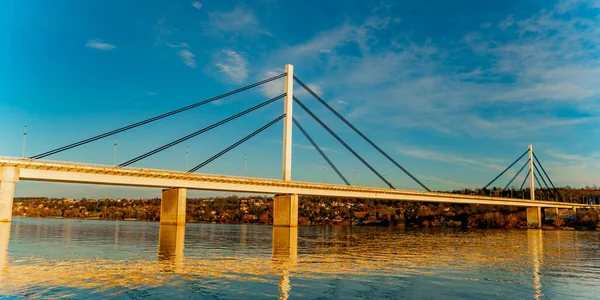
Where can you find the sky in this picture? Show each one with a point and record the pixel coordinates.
(453, 90)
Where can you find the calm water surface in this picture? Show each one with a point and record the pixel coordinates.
(48, 258)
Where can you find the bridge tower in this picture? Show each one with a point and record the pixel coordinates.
(288, 104)
(285, 207)
(534, 214)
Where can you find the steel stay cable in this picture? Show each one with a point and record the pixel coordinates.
(206, 162)
(320, 151)
(519, 172)
(342, 142)
(310, 91)
(125, 128)
(524, 180)
(201, 131)
(550, 180)
(545, 184)
(505, 170)
(539, 183)
(540, 175)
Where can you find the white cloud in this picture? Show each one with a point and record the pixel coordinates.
(545, 63)
(239, 21)
(234, 65)
(189, 58)
(273, 88)
(181, 45)
(301, 92)
(197, 5)
(446, 184)
(448, 158)
(310, 147)
(358, 112)
(590, 158)
(100, 45)
(510, 79)
(162, 29)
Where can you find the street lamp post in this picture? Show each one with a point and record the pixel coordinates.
(115, 151)
(24, 138)
(187, 155)
(245, 165)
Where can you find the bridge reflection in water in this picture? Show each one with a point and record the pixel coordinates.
(40, 249)
(285, 256)
(535, 248)
(4, 239)
(171, 243)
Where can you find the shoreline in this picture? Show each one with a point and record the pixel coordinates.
(406, 227)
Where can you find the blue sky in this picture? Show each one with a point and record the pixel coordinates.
(454, 90)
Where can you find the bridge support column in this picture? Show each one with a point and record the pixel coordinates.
(8, 177)
(555, 211)
(172, 206)
(534, 216)
(285, 210)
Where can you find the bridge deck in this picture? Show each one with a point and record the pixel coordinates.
(54, 171)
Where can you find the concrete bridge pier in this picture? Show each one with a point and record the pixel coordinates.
(9, 176)
(172, 206)
(285, 210)
(534, 216)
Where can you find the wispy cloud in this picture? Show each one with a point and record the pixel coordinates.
(310, 147)
(188, 57)
(181, 45)
(163, 29)
(163, 32)
(590, 158)
(239, 21)
(327, 42)
(197, 5)
(536, 65)
(448, 158)
(233, 65)
(301, 92)
(273, 88)
(100, 45)
(444, 184)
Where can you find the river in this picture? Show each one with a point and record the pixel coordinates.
(51, 258)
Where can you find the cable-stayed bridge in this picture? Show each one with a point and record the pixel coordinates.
(175, 184)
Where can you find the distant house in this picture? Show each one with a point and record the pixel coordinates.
(360, 214)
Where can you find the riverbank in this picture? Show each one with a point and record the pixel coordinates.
(312, 211)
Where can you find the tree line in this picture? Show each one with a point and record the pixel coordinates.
(313, 210)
